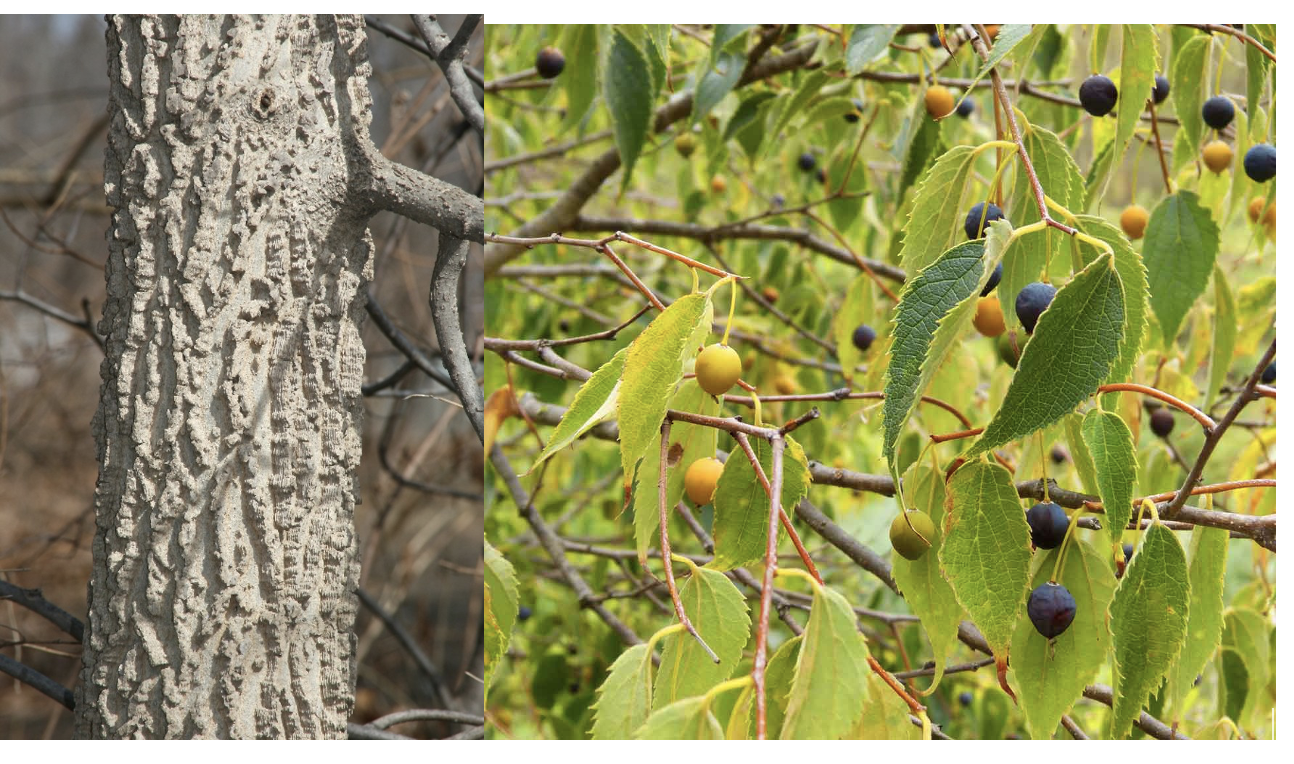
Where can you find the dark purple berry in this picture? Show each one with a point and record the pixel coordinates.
(778, 200)
(1260, 162)
(864, 335)
(933, 40)
(966, 108)
(1047, 524)
(523, 613)
(550, 62)
(993, 280)
(1128, 549)
(1161, 89)
(965, 698)
(1031, 302)
(1059, 454)
(1269, 373)
(808, 161)
(1098, 95)
(1218, 112)
(857, 112)
(1161, 422)
(977, 220)
(1051, 608)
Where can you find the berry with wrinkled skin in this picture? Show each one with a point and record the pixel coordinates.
(1051, 609)
(977, 220)
(550, 62)
(808, 161)
(1260, 162)
(1007, 351)
(989, 320)
(523, 613)
(864, 336)
(966, 108)
(1269, 373)
(993, 279)
(1217, 156)
(856, 114)
(1218, 112)
(939, 101)
(1047, 524)
(700, 480)
(907, 543)
(1161, 422)
(717, 369)
(1098, 95)
(1133, 221)
(685, 144)
(965, 698)
(1031, 302)
(1161, 89)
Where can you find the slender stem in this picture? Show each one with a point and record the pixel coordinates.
(1159, 146)
(956, 435)
(1237, 33)
(628, 272)
(744, 442)
(665, 556)
(894, 684)
(766, 594)
(1204, 419)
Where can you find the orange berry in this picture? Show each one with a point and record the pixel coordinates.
(1256, 207)
(1133, 220)
(988, 317)
(700, 480)
(939, 101)
(1217, 156)
(718, 184)
(784, 384)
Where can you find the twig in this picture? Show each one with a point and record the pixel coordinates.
(33, 600)
(443, 299)
(1205, 421)
(427, 715)
(766, 593)
(41, 683)
(410, 645)
(662, 491)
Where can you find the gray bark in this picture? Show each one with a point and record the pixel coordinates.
(222, 602)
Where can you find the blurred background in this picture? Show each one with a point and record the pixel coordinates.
(419, 523)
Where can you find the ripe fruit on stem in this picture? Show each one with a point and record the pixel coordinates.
(1058, 454)
(965, 698)
(1161, 422)
(1161, 89)
(1269, 373)
(856, 114)
(993, 279)
(718, 184)
(966, 108)
(1031, 302)
(808, 161)
(907, 543)
(989, 320)
(1133, 221)
(864, 336)
(700, 480)
(1217, 156)
(1218, 112)
(1260, 162)
(939, 101)
(1051, 608)
(1047, 524)
(550, 62)
(717, 369)
(1098, 95)
(784, 384)
(1256, 207)
(977, 220)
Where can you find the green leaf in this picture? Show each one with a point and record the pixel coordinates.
(628, 89)
(1137, 66)
(653, 368)
(866, 44)
(858, 308)
(1204, 620)
(1100, 42)
(1224, 336)
(727, 37)
(828, 109)
(920, 581)
(885, 715)
(934, 309)
(778, 678)
(595, 401)
(1114, 459)
(925, 141)
(1180, 250)
(747, 123)
(624, 699)
(831, 673)
(1008, 37)
(501, 610)
(716, 81)
(1073, 347)
(741, 505)
(718, 611)
(1187, 82)
(688, 442)
(798, 102)
(1136, 293)
(1051, 674)
(580, 77)
(985, 551)
(688, 719)
(1097, 174)
(1083, 463)
(936, 217)
(496, 645)
(1248, 633)
(1255, 74)
(1148, 619)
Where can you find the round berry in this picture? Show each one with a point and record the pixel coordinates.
(977, 220)
(808, 161)
(966, 108)
(1269, 373)
(965, 698)
(856, 114)
(864, 336)
(1098, 95)
(778, 200)
(1058, 454)
(701, 478)
(1010, 346)
(1031, 302)
(905, 541)
(1133, 221)
(1256, 207)
(1128, 549)
(1161, 422)
(989, 320)
(1047, 524)
(1218, 112)
(1260, 162)
(1161, 89)
(718, 184)
(1217, 156)
(933, 40)
(523, 613)
(685, 144)
(784, 384)
(939, 101)
(993, 279)
(1051, 608)
(550, 62)
(717, 369)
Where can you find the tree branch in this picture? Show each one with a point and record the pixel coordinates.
(448, 55)
(450, 259)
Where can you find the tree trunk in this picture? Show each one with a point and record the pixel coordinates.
(222, 601)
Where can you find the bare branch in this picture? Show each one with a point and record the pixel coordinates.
(448, 55)
(444, 313)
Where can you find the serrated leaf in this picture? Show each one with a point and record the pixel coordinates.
(1187, 83)
(920, 581)
(885, 715)
(1008, 37)
(920, 149)
(1136, 293)
(653, 368)
(717, 80)
(827, 693)
(502, 583)
(1204, 621)
(1073, 347)
(580, 77)
(1224, 336)
(1148, 620)
(624, 699)
(719, 613)
(1180, 250)
(688, 719)
(628, 89)
(866, 44)
(496, 645)
(778, 678)
(1114, 461)
(1051, 674)
(595, 401)
(741, 504)
(985, 552)
(936, 216)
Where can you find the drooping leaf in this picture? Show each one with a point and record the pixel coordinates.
(919, 150)
(580, 77)
(716, 81)
(1248, 633)
(496, 645)
(629, 91)
(502, 583)
(1008, 37)
(718, 611)
(1073, 347)
(778, 678)
(741, 505)
(828, 692)
(1187, 82)
(624, 699)
(920, 581)
(867, 42)
(885, 715)
(936, 218)
(1204, 621)
(595, 401)
(1180, 249)
(1114, 459)
(1051, 674)
(985, 551)
(1148, 620)
(1137, 66)
(1224, 336)
(1136, 293)
(687, 719)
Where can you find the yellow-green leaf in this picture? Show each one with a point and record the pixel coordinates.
(1180, 249)
(624, 699)
(830, 675)
(885, 715)
(718, 611)
(741, 505)
(1204, 622)
(688, 719)
(594, 402)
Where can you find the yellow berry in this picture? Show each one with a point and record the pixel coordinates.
(700, 480)
(784, 384)
(717, 369)
(1217, 156)
(908, 543)
(988, 317)
(718, 184)
(939, 101)
(1133, 221)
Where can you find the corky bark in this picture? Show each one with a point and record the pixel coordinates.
(222, 601)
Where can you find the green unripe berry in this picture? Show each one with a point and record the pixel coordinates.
(908, 543)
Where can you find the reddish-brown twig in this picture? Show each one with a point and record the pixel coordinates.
(766, 594)
(1205, 421)
(744, 442)
(664, 544)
